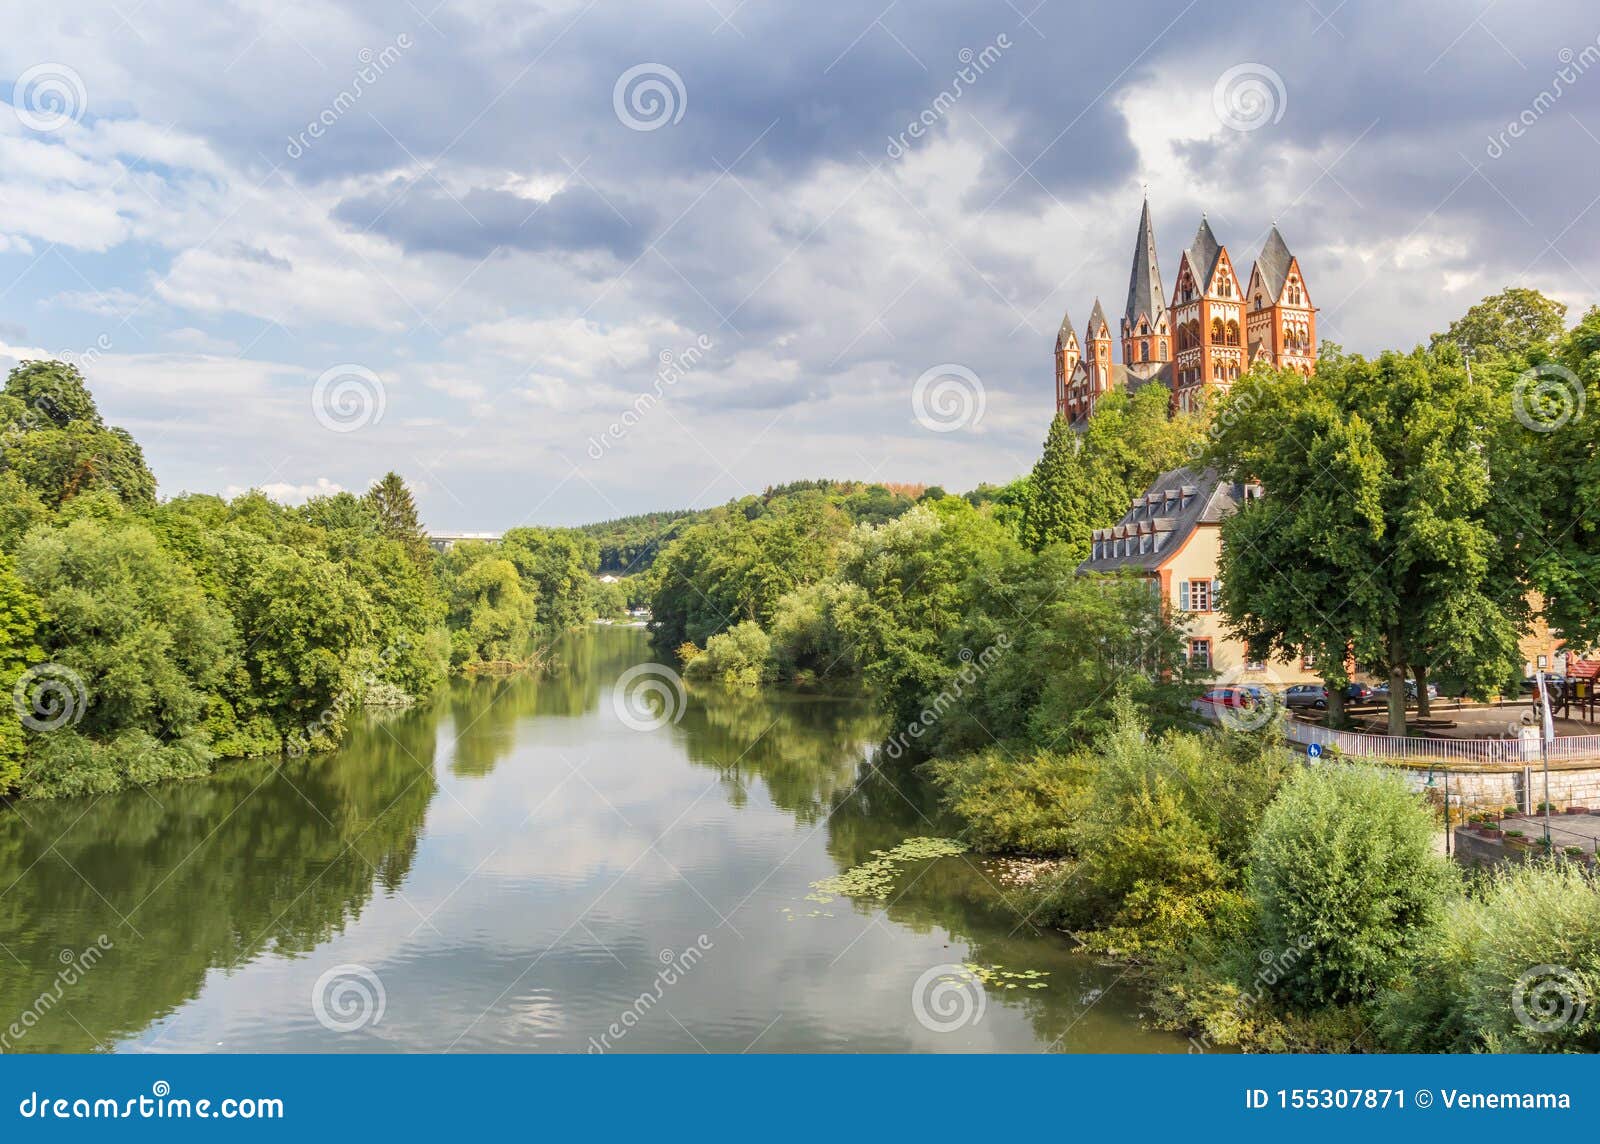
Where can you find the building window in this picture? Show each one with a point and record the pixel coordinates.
(1163, 351)
(1200, 654)
(1144, 546)
(1544, 662)
(1144, 351)
(1196, 595)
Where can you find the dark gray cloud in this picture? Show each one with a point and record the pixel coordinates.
(424, 216)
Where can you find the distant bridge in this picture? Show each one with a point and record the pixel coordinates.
(445, 541)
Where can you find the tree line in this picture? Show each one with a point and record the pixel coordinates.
(144, 639)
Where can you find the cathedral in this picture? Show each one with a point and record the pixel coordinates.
(1214, 330)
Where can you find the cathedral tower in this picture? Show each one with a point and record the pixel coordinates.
(1146, 337)
(1097, 347)
(1067, 355)
(1207, 321)
(1282, 322)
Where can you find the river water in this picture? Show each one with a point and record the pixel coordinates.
(516, 868)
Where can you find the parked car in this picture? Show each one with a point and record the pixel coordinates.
(1239, 698)
(1306, 695)
(1359, 693)
(1382, 690)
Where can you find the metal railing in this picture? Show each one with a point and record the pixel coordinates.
(1452, 752)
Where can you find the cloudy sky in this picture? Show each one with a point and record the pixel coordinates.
(295, 243)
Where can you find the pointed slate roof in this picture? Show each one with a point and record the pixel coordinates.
(1065, 331)
(1144, 284)
(1274, 263)
(1203, 254)
(1097, 318)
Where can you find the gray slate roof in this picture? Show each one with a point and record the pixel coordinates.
(1144, 283)
(1065, 331)
(1274, 263)
(1203, 254)
(1097, 318)
(1167, 520)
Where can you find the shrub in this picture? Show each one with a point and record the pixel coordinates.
(1515, 969)
(1344, 869)
(738, 655)
(1023, 803)
(1163, 837)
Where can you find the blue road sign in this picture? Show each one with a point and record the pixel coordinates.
(1314, 751)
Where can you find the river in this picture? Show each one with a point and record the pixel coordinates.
(516, 868)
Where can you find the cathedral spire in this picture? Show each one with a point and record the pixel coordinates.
(1144, 283)
(1066, 332)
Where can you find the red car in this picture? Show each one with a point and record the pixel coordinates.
(1236, 698)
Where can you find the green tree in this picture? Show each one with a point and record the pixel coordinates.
(1382, 531)
(491, 612)
(1563, 447)
(57, 444)
(20, 616)
(558, 564)
(1346, 882)
(396, 511)
(306, 626)
(1055, 511)
(1512, 323)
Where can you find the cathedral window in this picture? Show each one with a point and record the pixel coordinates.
(1144, 351)
(1162, 353)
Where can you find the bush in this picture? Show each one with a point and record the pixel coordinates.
(1515, 969)
(1343, 869)
(739, 655)
(1023, 804)
(1163, 839)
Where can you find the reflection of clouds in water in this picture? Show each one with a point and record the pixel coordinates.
(539, 933)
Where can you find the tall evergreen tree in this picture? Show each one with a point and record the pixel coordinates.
(1055, 511)
(397, 515)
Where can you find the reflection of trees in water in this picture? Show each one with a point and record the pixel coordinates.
(804, 750)
(485, 709)
(259, 857)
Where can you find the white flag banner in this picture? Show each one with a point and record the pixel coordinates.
(1544, 706)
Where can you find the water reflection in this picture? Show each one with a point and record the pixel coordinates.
(515, 865)
(191, 877)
